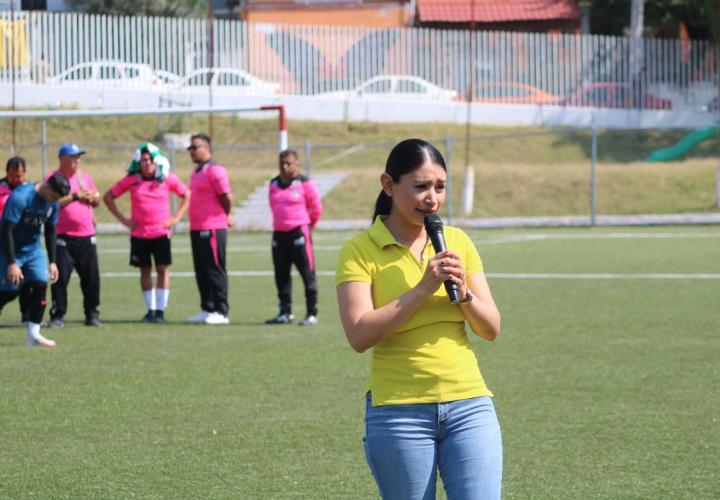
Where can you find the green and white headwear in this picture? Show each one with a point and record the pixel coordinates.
(162, 164)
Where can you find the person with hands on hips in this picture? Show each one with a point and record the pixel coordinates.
(428, 408)
(150, 182)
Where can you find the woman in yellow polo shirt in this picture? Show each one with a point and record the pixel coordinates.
(428, 407)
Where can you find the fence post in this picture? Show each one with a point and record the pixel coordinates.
(449, 186)
(308, 157)
(593, 168)
(43, 147)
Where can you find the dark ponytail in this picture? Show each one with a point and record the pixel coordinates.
(407, 156)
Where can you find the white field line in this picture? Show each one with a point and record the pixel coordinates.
(184, 249)
(515, 276)
(519, 238)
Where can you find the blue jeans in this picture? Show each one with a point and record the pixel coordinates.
(405, 445)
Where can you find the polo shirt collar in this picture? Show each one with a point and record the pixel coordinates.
(380, 234)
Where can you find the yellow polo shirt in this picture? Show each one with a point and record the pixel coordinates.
(429, 358)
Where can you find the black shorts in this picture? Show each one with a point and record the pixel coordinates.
(141, 250)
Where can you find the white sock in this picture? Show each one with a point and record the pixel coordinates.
(161, 298)
(149, 296)
(33, 329)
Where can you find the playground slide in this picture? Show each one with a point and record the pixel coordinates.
(681, 148)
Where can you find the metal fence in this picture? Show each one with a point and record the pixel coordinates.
(583, 70)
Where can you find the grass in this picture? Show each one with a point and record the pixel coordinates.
(604, 387)
(519, 171)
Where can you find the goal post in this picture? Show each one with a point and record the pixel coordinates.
(68, 113)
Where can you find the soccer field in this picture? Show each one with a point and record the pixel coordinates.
(606, 378)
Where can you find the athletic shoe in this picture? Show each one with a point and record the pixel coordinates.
(199, 317)
(38, 340)
(159, 317)
(149, 317)
(92, 321)
(281, 319)
(309, 320)
(56, 323)
(216, 318)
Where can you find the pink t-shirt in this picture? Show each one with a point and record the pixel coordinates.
(76, 218)
(207, 184)
(4, 195)
(294, 204)
(150, 202)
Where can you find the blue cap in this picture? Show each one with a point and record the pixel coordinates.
(70, 150)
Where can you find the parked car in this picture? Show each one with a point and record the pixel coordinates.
(226, 81)
(712, 106)
(113, 74)
(404, 87)
(615, 95)
(513, 93)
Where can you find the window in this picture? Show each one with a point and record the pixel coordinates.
(110, 73)
(411, 87)
(376, 87)
(226, 79)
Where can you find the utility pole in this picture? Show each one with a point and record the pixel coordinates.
(13, 31)
(468, 191)
(211, 63)
(637, 14)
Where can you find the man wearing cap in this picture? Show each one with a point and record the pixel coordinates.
(76, 239)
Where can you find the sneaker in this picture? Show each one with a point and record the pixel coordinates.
(216, 318)
(38, 340)
(281, 319)
(199, 317)
(149, 317)
(159, 317)
(309, 320)
(92, 321)
(56, 323)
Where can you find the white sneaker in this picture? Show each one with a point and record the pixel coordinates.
(309, 320)
(38, 340)
(199, 317)
(215, 318)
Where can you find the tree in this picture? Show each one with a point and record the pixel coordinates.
(170, 8)
(662, 17)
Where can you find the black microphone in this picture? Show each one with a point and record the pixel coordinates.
(434, 228)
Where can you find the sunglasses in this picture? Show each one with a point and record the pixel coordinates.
(193, 147)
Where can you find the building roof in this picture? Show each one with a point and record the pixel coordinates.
(496, 11)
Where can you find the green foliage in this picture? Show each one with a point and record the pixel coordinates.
(661, 17)
(169, 8)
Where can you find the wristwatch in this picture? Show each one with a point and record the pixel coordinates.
(468, 297)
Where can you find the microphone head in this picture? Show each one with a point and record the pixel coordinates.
(433, 223)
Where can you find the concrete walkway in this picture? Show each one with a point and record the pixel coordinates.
(254, 213)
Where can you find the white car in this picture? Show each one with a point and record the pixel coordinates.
(402, 87)
(226, 81)
(113, 74)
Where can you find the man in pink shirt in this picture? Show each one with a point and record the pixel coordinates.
(15, 171)
(76, 239)
(296, 208)
(209, 211)
(150, 183)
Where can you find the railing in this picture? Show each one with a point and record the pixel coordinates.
(308, 60)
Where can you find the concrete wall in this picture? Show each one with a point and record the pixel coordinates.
(380, 111)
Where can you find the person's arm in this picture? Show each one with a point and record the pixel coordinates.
(366, 326)
(14, 273)
(51, 248)
(313, 203)
(481, 312)
(69, 198)
(226, 202)
(109, 200)
(184, 203)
